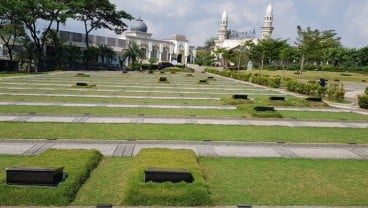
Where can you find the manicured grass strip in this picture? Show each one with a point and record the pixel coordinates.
(77, 163)
(323, 115)
(120, 111)
(107, 183)
(243, 111)
(13, 74)
(24, 130)
(259, 181)
(106, 100)
(167, 193)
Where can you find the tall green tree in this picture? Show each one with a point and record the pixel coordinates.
(97, 14)
(31, 13)
(312, 44)
(11, 29)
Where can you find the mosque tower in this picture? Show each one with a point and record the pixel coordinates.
(267, 25)
(222, 33)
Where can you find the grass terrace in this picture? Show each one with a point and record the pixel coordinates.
(24, 130)
(78, 171)
(218, 181)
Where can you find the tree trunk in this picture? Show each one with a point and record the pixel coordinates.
(301, 66)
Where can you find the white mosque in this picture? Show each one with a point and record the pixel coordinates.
(231, 39)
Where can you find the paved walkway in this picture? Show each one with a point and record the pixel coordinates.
(201, 148)
(142, 119)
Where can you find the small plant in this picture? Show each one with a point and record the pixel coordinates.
(82, 75)
(83, 85)
(203, 81)
(163, 80)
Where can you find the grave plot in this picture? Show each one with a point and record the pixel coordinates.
(166, 172)
(33, 190)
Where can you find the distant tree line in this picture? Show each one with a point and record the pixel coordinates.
(313, 50)
(27, 27)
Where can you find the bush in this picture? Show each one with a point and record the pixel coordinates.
(363, 101)
(166, 193)
(78, 171)
(366, 91)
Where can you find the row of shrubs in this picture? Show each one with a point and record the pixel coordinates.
(264, 80)
(333, 91)
(363, 99)
(296, 67)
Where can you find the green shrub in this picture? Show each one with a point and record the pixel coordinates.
(363, 101)
(229, 100)
(366, 91)
(249, 111)
(166, 193)
(78, 165)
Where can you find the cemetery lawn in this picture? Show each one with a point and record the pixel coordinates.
(242, 111)
(282, 181)
(30, 98)
(139, 192)
(189, 132)
(104, 185)
(77, 170)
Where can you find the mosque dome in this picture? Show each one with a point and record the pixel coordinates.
(139, 25)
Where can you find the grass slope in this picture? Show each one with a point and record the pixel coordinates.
(107, 183)
(24, 130)
(166, 193)
(260, 181)
(78, 165)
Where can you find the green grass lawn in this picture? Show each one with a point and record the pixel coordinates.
(259, 181)
(107, 183)
(77, 170)
(192, 132)
(107, 100)
(139, 192)
(13, 74)
(218, 180)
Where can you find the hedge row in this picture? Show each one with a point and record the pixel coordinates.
(363, 99)
(333, 91)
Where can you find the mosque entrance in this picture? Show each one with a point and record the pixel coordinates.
(179, 59)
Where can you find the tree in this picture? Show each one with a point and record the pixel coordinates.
(133, 52)
(105, 52)
(31, 12)
(11, 29)
(266, 50)
(312, 44)
(97, 14)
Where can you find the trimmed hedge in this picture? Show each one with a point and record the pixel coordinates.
(166, 193)
(363, 99)
(333, 91)
(78, 165)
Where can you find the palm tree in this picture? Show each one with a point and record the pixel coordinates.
(133, 52)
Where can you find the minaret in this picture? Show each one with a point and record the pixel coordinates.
(267, 25)
(222, 33)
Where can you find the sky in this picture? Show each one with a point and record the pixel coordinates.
(199, 20)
